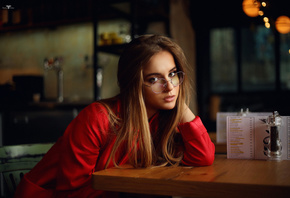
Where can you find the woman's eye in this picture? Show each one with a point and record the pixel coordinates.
(172, 74)
(153, 80)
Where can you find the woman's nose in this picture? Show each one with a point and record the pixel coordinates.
(169, 85)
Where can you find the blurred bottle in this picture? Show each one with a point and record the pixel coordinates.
(124, 33)
(274, 147)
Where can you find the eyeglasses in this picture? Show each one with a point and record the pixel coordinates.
(159, 84)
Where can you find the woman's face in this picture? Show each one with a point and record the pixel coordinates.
(161, 65)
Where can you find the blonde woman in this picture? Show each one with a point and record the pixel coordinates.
(147, 124)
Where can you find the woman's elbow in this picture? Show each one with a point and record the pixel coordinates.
(200, 157)
(208, 160)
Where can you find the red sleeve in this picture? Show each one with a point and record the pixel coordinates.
(80, 148)
(66, 168)
(199, 149)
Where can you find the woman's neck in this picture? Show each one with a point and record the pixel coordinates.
(151, 113)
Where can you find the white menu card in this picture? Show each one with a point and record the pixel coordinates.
(246, 137)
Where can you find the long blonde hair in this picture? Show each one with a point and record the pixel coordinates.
(132, 121)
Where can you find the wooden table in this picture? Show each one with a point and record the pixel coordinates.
(225, 178)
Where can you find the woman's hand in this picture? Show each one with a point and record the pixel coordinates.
(187, 116)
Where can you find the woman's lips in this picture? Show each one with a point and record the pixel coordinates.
(169, 98)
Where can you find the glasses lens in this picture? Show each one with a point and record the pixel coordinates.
(177, 79)
(159, 85)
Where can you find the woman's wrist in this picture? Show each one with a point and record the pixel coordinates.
(187, 116)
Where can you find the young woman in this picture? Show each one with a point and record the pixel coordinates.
(147, 124)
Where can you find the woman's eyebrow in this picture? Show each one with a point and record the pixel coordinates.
(152, 74)
(174, 68)
(159, 74)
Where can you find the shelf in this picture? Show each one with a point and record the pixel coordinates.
(49, 24)
(39, 14)
(112, 49)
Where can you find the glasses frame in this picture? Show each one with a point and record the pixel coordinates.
(165, 84)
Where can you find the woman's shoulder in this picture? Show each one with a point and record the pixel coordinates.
(101, 108)
(95, 106)
(95, 117)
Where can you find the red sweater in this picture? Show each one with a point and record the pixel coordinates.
(66, 169)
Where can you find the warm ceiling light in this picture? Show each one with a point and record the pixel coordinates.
(250, 8)
(283, 24)
(261, 13)
(267, 25)
(266, 19)
(264, 4)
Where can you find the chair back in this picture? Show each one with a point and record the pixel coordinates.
(17, 160)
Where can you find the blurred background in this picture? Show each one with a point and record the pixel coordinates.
(56, 57)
